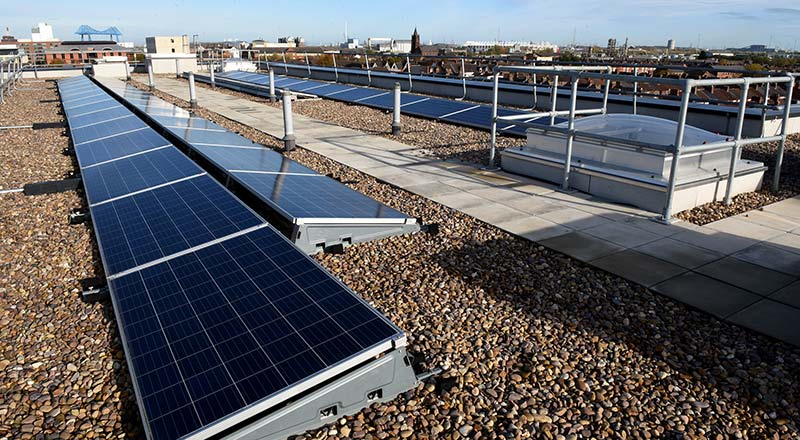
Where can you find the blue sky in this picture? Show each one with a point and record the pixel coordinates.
(715, 23)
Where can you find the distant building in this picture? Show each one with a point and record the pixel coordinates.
(81, 52)
(171, 44)
(283, 43)
(511, 46)
(34, 48)
(350, 43)
(416, 47)
(670, 44)
(41, 33)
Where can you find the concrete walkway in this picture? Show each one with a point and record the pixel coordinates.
(743, 269)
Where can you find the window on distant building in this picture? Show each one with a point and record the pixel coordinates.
(173, 50)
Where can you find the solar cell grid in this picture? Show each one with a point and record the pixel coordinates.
(251, 159)
(150, 225)
(111, 127)
(231, 344)
(135, 173)
(308, 197)
(123, 145)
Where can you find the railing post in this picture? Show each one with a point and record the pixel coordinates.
(2, 83)
(408, 64)
(666, 216)
(535, 90)
(787, 109)
(369, 71)
(335, 68)
(127, 71)
(463, 78)
(150, 78)
(573, 99)
(192, 92)
(308, 65)
(605, 92)
(495, 96)
(211, 72)
(288, 126)
(285, 66)
(396, 112)
(764, 109)
(635, 89)
(272, 96)
(177, 67)
(745, 88)
(553, 100)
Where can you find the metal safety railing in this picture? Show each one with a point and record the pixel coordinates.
(575, 73)
(10, 75)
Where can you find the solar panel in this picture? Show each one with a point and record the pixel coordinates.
(135, 173)
(251, 159)
(150, 225)
(223, 329)
(223, 320)
(312, 197)
(318, 212)
(119, 146)
(111, 127)
(457, 112)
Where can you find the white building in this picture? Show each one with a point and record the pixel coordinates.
(42, 32)
(671, 44)
(512, 46)
(351, 43)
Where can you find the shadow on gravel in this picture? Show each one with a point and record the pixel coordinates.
(732, 366)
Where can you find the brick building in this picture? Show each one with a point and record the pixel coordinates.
(80, 52)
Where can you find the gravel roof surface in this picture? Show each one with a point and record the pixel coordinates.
(449, 141)
(29, 155)
(537, 345)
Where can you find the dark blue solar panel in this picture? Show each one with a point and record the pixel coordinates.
(150, 225)
(212, 137)
(355, 94)
(109, 128)
(314, 197)
(190, 122)
(328, 89)
(261, 159)
(386, 102)
(212, 332)
(118, 146)
(310, 86)
(436, 108)
(100, 117)
(124, 176)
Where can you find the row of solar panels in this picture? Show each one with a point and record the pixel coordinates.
(225, 323)
(440, 109)
(320, 212)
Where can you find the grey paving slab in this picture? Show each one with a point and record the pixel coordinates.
(638, 267)
(771, 318)
(494, 213)
(680, 253)
(622, 234)
(531, 204)
(714, 240)
(786, 208)
(788, 295)
(769, 220)
(746, 275)
(740, 227)
(581, 246)
(771, 257)
(459, 200)
(533, 228)
(789, 242)
(432, 189)
(574, 218)
(707, 294)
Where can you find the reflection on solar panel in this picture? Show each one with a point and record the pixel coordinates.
(456, 112)
(227, 327)
(317, 212)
